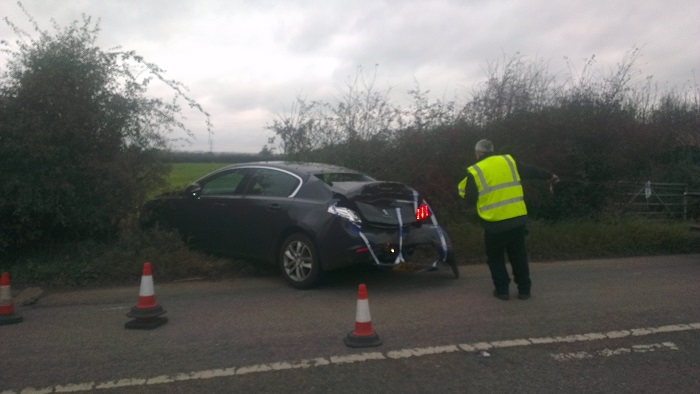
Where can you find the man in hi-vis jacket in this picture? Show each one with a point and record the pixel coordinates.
(493, 184)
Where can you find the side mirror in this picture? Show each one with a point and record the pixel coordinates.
(193, 190)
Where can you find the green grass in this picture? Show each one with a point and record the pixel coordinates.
(183, 174)
(120, 262)
(586, 239)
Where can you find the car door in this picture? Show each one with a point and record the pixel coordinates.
(216, 216)
(266, 203)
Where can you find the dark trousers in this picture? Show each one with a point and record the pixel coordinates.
(512, 243)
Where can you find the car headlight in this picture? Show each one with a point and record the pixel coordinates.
(345, 213)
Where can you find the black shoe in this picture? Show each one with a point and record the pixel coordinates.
(501, 296)
(523, 296)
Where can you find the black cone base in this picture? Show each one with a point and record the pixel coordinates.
(146, 313)
(146, 324)
(353, 340)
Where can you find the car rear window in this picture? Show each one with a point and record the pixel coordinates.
(272, 183)
(331, 177)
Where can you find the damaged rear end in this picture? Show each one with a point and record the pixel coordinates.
(396, 225)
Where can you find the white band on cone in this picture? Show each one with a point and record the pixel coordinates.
(362, 312)
(147, 286)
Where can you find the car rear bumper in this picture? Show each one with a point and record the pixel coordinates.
(345, 244)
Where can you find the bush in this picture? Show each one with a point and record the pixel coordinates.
(79, 140)
(593, 131)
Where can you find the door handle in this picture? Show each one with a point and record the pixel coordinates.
(273, 207)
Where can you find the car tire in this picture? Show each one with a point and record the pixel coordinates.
(298, 262)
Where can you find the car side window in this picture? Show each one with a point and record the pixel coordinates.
(272, 183)
(226, 184)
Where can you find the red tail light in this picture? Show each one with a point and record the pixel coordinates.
(422, 212)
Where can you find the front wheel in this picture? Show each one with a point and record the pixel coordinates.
(298, 261)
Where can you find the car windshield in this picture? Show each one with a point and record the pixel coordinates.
(331, 177)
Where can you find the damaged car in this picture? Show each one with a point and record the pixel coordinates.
(308, 218)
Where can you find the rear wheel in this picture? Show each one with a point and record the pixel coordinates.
(298, 261)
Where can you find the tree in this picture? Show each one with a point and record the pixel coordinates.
(80, 140)
(361, 114)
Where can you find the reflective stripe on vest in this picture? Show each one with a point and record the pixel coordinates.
(502, 198)
(489, 188)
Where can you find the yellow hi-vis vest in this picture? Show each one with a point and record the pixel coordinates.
(500, 192)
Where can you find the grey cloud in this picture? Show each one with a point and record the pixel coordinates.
(444, 44)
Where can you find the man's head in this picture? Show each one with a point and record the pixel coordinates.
(482, 147)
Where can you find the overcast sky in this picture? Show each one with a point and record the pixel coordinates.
(245, 61)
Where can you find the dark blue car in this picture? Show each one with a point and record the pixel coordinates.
(306, 217)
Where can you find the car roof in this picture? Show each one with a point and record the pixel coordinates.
(299, 168)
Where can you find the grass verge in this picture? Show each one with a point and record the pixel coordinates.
(90, 264)
(581, 239)
(120, 262)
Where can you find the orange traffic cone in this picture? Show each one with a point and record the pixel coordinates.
(147, 312)
(363, 335)
(7, 308)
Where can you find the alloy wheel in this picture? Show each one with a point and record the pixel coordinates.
(298, 261)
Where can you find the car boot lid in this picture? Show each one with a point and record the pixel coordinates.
(387, 203)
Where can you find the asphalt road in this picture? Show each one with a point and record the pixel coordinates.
(624, 325)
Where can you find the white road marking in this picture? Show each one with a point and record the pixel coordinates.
(615, 352)
(405, 353)
(352, 358)
(478, 347)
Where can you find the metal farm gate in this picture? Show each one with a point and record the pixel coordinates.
(653, 200)
(693, 209)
